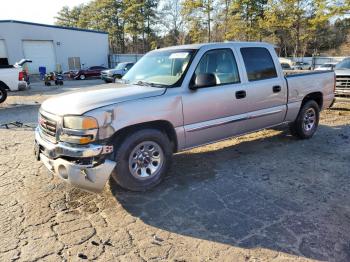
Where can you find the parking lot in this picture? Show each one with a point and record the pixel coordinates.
(265, 196)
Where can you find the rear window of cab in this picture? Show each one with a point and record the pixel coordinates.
(258, 63)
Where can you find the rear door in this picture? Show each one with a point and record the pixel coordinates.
(265, 87)
(92, 71)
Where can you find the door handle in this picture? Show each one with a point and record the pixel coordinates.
(241, 94)
(276, 89)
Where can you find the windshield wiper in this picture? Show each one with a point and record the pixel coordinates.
(144, 83)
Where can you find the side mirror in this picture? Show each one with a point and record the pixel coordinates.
(203, 80)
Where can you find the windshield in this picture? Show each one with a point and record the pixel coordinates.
(345, 64)
(159, 68)
(120, 66)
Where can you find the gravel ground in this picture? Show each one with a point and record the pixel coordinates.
(263, 197)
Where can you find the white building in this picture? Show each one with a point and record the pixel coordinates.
(53, 47)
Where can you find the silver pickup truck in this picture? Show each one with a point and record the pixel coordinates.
(172, 100)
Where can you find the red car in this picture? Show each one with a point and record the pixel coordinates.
(93, 71)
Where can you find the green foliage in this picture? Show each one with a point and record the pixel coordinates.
(297, 27)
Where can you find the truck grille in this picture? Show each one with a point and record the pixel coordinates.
(343, 86)
(48, 127)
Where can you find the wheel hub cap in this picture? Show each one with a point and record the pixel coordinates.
(146, 159)
(309, 119)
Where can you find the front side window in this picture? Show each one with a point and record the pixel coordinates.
(258, 63)
(128, 66)
(120, 66)
(222, 64)
(160, 68)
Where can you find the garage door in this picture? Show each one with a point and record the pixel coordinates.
(3, 53)
(41, 53)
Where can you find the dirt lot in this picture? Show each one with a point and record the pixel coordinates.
(38, 92)
(262, 197)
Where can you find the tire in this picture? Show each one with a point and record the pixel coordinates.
(116, 78)
(3, 94)
(135, 157)
(82, 77)
(305, 126)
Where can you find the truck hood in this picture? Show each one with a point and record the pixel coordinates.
(342, 72)
(82, 101)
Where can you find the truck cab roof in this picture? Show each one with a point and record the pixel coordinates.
(217, 45)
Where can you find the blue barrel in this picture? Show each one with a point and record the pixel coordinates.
(42, 72)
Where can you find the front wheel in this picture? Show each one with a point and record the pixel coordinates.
(3, 94)
(306, 124)
(82, 77)
(143, 158)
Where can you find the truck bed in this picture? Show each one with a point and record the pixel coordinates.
(301, 84)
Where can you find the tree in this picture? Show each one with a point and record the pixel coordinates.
(69, 17)
(245, 19)
(172, 22)
(297, 27)
(197, 14)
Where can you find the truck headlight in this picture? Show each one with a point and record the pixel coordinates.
(80, 122)
(79, 129)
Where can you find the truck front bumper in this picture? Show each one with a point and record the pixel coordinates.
(88, 177)
(107, 78)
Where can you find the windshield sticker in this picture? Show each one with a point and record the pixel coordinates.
(181, 55)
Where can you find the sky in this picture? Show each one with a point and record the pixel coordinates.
(37, 11)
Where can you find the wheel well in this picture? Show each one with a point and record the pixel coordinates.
(316, 96)
(4, 85)
(118, 76)
(161, 125)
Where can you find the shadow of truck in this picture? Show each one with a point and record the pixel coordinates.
(264, 190)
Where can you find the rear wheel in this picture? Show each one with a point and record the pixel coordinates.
(306, 124)
(143, 158)
(3, 94)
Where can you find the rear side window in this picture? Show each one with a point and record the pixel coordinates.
(258, 63)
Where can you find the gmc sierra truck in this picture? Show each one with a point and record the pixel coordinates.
(174, 99)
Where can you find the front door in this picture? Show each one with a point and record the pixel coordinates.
(208, 111)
